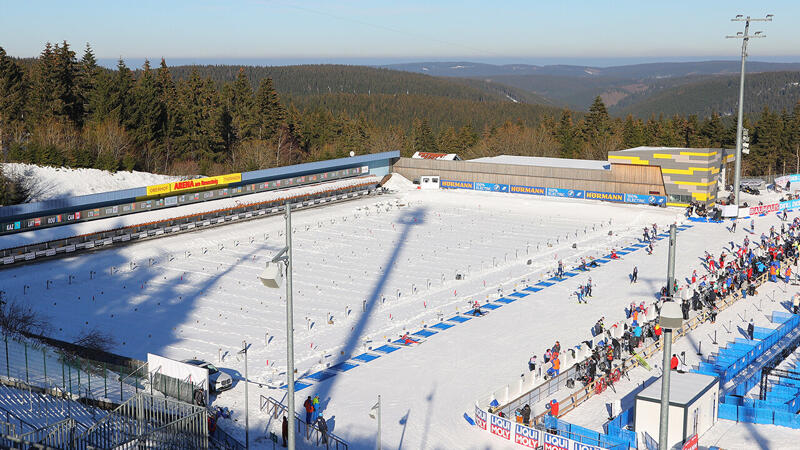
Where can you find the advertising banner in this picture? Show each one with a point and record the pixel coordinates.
(451, 184)
(645, 199)
(565, 193)
(178, 186)
(691, 443)
(605, 196)
(480, 418)
(789, 204)
(532, 190)
(500, 427)
(582, 446)
(491, 187)
(526, 436)
(553, 442)
(762, 209)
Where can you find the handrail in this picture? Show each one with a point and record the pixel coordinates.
(311, 430)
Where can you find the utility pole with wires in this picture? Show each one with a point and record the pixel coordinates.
(744, 36)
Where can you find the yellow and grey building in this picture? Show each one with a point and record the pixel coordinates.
(690, 174)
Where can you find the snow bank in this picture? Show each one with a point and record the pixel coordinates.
(56, 182)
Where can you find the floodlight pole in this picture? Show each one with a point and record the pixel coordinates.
(663, 423)
(744, 37)
(246, 402)
(289, 329)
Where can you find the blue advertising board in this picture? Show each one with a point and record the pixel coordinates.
(605, 196)
(491, 187)
(451, 184)
(532, 190)
(645, 199)
(565, 193)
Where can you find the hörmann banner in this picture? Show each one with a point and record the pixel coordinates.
(452, 184)
(605, 196)
(532, 190)
(197, 183)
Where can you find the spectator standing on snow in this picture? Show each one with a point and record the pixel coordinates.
(560, 273)
(323, 429)
(750, 329)
(635, 274)
(532, 363)
(733, 227)
(673, 363)
(285, 430)
(309, 406)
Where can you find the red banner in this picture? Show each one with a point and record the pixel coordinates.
(761, 209)
(691, 443)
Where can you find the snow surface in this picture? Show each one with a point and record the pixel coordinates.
(196, 295)
(57, 182)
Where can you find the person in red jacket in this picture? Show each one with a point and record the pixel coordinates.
(309, 406)
(673, 363)
(554, 408)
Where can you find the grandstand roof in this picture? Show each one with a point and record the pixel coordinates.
(546, 162)
(684, 388)
(647, 148)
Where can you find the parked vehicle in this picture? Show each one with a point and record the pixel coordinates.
(217, 381)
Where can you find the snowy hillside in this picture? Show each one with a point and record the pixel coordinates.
(55, 182)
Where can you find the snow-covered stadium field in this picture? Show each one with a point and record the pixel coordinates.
(365, 272)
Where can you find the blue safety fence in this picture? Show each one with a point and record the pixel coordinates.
(737, 355)
(783, 397)
(618, 428)
(585, 435)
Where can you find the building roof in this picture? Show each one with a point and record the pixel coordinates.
(684, 388)
(646, 148)
(442, 156)
(546, 162)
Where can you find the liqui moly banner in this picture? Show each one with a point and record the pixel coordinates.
(526, 436)
(582, 446)
(553, 442)
(480, 418)
(500, 426)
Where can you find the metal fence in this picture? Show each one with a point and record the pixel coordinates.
(147, 421)
(40, 365)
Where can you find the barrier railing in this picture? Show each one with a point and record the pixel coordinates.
(275, 410)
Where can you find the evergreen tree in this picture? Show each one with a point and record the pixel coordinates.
(147, 116)
(423, 139)
(566, 135)
(240, 102)
(268, 111)
(12, 99)
(87, 80)
(597, 123)
(633, 132)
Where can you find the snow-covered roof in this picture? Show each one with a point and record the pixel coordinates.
(683, 388)
(441, 156)
(546, 162)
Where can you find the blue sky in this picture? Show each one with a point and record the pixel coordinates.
(375, 32)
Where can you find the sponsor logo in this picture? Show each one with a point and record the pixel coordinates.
(553, 442)
(582, 446)
(526, 436)
(480, 418)
(764, 209)
(491, 187)
(565, 193)
(501, 427)
(606, 196)
(532, 190)
(159, 189)
(450, 184)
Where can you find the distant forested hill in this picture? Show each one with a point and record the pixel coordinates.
(335, 79)
(776, 90)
